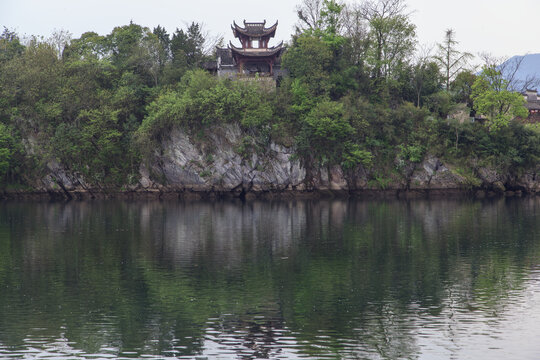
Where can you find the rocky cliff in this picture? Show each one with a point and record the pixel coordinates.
(226, 163)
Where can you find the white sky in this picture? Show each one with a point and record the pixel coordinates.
(500, 27)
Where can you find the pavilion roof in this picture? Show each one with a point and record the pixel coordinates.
(255, 52)
(533, 105)
(254, 29)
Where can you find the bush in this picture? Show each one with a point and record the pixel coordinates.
(202, 100)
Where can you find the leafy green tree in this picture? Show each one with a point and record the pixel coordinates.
(31, 82)
(492, 99)
(200, 101)
(10, 52)
(187, 46)
(327, 137)
(90, 44)
(187, 51)
(165, 41)
(10, 45)
(87, 84)
(124, 42)
(137, 50)
(7, 150)
(439, 103)
(425, 80)
(341, 69)
(462, 87)
(331, 22)
(309, 59)
(94, 147)
(392, 36)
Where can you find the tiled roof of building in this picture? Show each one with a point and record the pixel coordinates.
(254, 29)
(531, 96)
(533, 105)
(225, 55)
(276, 50)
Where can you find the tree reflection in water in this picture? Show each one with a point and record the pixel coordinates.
(279, 279)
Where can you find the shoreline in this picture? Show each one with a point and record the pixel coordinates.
(400, 194)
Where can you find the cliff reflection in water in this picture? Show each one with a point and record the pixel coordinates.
(367, 279)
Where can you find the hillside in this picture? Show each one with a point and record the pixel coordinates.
(527, 73)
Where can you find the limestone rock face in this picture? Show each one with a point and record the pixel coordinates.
(228, 161)
(529, 181)
(60, 179)
(491, 179)
(432, 174)
(219, 164)
(60, 182)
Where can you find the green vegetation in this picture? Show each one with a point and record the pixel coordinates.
(358, 94)
(491, 97)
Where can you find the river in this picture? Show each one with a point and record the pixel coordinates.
(302, 279)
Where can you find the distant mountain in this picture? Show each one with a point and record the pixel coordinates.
(527, 74)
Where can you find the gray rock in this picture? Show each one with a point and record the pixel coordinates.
(217, 166)
(59, 179)
(337, 179)
(432, 174)
(490, 176)
(529, 181)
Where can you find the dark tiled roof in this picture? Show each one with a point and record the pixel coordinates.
(225, 55)
(531, 96)
(533, 105)
(255, 29)
(276, 50)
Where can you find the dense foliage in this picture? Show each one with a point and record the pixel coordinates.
(358, 94)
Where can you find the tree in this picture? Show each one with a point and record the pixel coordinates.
(451, 60)
(11, 51)
(124, 42)
(187, 46)
(10, 45)
(510, 71)
(309, 12)
(425, 79)
(165, 41)
(90, 44)
(93, 146)
(309, 60)
(34, 81)
(462, 87)
(355, 30)
(60, 39)
(326, 136)
(327, 24)
(392, 36)
(162, 48)
(6, 151)
(492, 99)
(331, 23)
(325, 44)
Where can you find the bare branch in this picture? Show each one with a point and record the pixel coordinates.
(60, 39)
(309, 15)
(509, 71)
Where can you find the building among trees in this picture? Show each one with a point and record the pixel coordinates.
(254, 57)
(533, 105)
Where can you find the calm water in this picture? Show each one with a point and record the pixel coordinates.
(279, 280)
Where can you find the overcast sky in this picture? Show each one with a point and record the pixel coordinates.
(500, 27)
